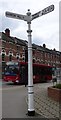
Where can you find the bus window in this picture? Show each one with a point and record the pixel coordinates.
(36, 70)
(12, 69)
(15, 70)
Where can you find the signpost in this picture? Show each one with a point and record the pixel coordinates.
(28, 18)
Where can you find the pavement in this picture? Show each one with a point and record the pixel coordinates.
(44, 105)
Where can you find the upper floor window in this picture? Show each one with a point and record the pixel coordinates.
(3, 53)
(10, 55)
(17, 55)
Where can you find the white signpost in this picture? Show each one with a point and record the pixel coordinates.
(28, 18)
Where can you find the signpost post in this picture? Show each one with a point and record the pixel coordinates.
(28, 18)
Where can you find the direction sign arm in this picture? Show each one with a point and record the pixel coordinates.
(16, 16)
(43, 12)
(48, 9)
(36, 15)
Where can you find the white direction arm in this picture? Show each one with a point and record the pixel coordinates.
(30, 17)
(43, 12)
(36, 15)
(16, 16)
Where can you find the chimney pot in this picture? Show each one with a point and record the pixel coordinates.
(7, 32)
(44, 45)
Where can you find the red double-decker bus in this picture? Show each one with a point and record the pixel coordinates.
(17, 72)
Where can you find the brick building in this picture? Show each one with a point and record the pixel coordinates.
(46, 56)
(12, 48)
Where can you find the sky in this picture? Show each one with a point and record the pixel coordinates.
(45, 29)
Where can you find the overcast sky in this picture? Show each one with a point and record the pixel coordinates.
(45, 28)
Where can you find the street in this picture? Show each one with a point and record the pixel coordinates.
(14, 101)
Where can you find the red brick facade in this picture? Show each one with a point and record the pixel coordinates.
(14, 49)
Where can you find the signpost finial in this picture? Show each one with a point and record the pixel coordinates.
(28, 13)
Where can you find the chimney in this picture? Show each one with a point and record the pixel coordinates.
(7, 32)
(44, 45)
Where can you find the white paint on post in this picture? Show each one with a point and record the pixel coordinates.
(31, 110)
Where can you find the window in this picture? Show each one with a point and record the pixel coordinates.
(3, 57)
(10, 55)
(17, 56)
(3, 53)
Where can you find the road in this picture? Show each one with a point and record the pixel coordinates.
(14, 101)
